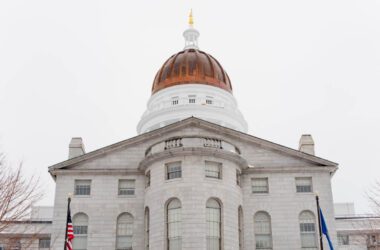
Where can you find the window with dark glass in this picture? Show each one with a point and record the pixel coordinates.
(213, 170)
(126, 187)
(175, 101)
(173, 170)
(44, 243)
(82, 187)
(192, 98)
(260, 185)
(304, 185)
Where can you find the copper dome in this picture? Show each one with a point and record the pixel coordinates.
(191, 66)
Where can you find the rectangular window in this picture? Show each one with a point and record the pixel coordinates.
(304, 185)
(174, 100)
(44, 243)
(173, 170)
(238, 178)
(343, 239)
(147, 179)
(260, 185)
(126, 187)
(192, 98)
(213, 169)
(82, 187)
(208, 101)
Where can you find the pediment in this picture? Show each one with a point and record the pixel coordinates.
(126, 155)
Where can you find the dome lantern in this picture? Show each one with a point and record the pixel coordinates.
(191, 35)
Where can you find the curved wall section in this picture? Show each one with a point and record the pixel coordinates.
(193, 189)
(180, 102)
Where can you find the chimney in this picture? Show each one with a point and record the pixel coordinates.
(306, 144)
(76, 147)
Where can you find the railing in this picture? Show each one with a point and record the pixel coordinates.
(192, 142)
(212, 143)
(173, 143)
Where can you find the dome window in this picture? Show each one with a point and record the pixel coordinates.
(209, 100)
(175, 100)
(192, 99)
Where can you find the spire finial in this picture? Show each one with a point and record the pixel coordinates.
(191, 20)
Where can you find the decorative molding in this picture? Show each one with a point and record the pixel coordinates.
(191, 151)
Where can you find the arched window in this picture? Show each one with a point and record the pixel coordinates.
(124, 232)
(174, 236)
(80, 224)
(240, 227)
(307, 230)
(147, 222)
(213, 220)
(263, 230)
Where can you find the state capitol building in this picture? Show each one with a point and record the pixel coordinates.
(193, 179)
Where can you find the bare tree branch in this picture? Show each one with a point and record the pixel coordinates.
(374, 197)
(17, 194)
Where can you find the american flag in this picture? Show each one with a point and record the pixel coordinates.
(69, 230)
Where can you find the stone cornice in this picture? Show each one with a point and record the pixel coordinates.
(295, 169)
(96, 171)
(190, 151)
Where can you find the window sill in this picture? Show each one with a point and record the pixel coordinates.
(82, 196)
(304, 193)
(260, 194)
(213, 179)
(173, 180)
(126, 196)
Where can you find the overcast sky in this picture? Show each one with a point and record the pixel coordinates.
(85, 68)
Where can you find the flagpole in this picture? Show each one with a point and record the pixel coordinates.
(67, 218)
(319, 222)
